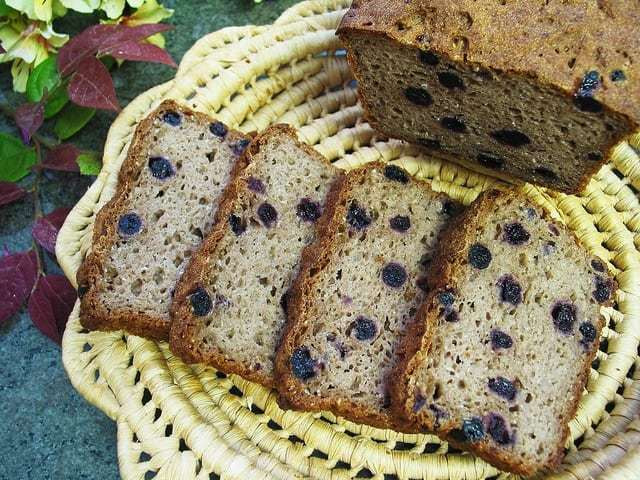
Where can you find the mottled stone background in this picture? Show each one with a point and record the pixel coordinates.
(48, 430)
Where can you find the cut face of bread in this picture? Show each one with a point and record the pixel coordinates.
(472, 96)
(229, 307)
(510, 329)
(361, 283)
(168, 189)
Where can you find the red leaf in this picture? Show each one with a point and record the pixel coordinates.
(62, 157)
(91, 86)
(29, 118)
(50, 305)
(18, 273)
(99, 38)
(45, 229)
(10, 192)
(141, 52)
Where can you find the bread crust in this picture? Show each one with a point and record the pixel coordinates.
(291, 392)
(184, 328)
(93, 314)
(382, 17)
(447, 262)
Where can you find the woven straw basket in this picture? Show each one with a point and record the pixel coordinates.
(177, 421)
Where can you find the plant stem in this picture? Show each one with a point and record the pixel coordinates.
(37, 209)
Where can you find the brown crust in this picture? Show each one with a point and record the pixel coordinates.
(291, 393)
(93, 314)
(184, 328)
(379, 18)
(447, 262)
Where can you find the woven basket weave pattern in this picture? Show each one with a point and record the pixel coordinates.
(191, 422)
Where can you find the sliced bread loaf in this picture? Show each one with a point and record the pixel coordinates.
(168, 189)
(502, 347)
(229, 307)
(360, 283)
(537, 91)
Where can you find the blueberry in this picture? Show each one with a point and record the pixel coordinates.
(419, 402)
(419, 96)
(590, 82)
(82, 290)
(472, 430)
(490, 160)
(200, 302)
(450, 80)
(308, 210)
(588, 332)
(604, 289)
(499, 340)
(160, 167)
(503, 387)
(394, 275)
(172, 118)
(451, 316)
(594, 156)
(219, 129)
(510, 290)
(357, 216)
(546, 173)
(400, 223)
(512, 138)
(394, 172)
(587, 104)
(428, 58)
(479, 256)
(454, 124)
(597, 265)
(302, 365)
(446, 298)
(564, 316)
(129, 224)
(240, 146)
(618, 76)
(497, 428)
(237, 224)
(363, 329)
(433, 144)
(267, 214)
(256, 185)
(515, 234)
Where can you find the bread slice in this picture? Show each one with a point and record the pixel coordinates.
(168, 189)
(229, 307)
(534, 91)
(500, 351)
(360, 283)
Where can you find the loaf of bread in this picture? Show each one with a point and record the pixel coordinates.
(360, 283)
(533, 91)
(230, 305)
(168, 189)
(498, 357)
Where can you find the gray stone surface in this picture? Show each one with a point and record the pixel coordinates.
(48, 430)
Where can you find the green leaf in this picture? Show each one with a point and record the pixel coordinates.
(57, 99)
(4, 10)
(89, 164)
(71, 120)
(44, 76)
(16, 159)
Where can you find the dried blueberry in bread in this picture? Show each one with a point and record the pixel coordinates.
(267, 216)
(507, 375)
(168, 190)
(506, 88)
(360, 284)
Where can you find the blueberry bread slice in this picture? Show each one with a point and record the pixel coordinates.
(230, 305)
(505, 340)
(360, 285)
(168, 189)
(534, 91)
